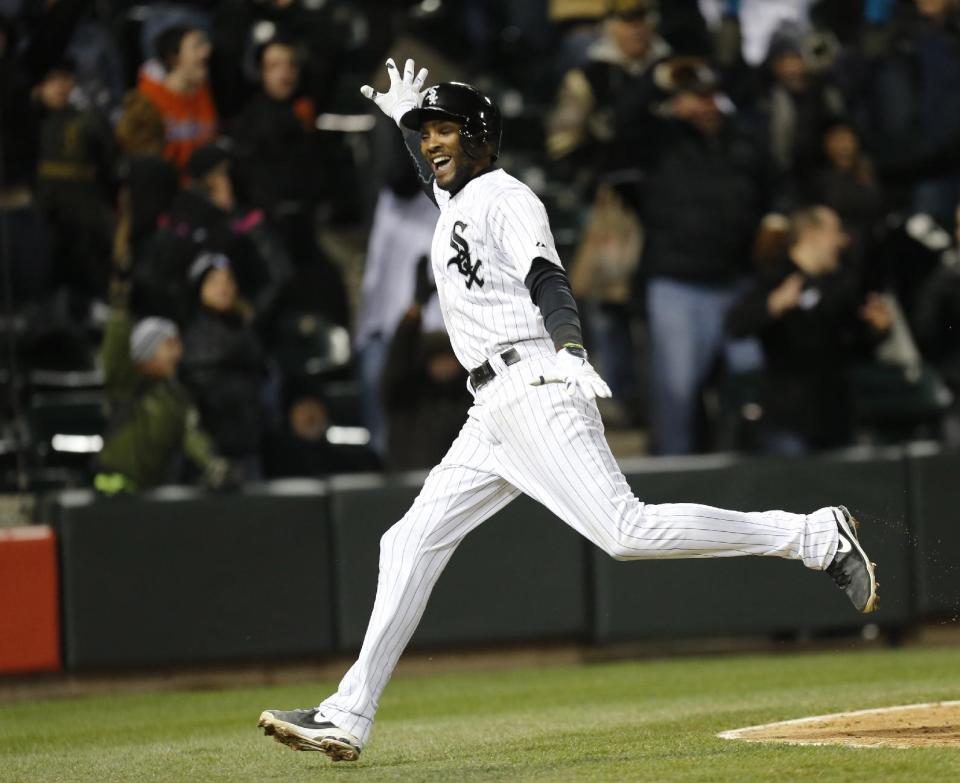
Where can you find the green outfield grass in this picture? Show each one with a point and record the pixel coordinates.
(628, 721)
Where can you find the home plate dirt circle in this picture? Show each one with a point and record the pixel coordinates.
(907, 726)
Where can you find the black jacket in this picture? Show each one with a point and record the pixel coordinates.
(223, 367)
(702, 199)
(276, 158)
(807, 350)
(152, 182)
(195, 225)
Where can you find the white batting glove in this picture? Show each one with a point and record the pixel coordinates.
(404, 93)
(577, 375)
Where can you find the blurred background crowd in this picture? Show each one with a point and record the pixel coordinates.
(214, 250)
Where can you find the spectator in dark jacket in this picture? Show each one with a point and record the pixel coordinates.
(223, 364)
(303, 446)
(239, 28)
(278, 172)
(937, 63)
(798, 105)
(30, 275)
(914, 114)
(205, 216)
(846, 183)
(705, 190)
(74, 183)
(581, 128)
(812, 319)
(274, 132)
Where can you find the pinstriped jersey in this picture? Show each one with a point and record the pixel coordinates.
(483, 246)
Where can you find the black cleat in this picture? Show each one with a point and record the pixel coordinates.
(851, 569)
(309, 730)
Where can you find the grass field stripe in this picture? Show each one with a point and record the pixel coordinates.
(739, 734)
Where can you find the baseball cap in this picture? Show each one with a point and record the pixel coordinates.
(147, 336)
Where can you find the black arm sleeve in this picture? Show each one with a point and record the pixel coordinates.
(550, 291)
(412, 139)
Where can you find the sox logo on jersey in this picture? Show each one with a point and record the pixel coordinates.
(462, 260)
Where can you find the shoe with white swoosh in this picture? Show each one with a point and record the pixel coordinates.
(851, 569)
(310, 730)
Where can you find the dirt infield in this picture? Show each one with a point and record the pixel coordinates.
(907, 726)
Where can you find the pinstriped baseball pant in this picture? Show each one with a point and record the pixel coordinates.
(540, 441)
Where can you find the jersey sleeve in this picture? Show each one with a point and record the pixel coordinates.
(521, 231)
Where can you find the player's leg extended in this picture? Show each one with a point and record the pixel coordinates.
(459, 494)
(553, 448)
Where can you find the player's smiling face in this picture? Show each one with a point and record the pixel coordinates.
(440, 145)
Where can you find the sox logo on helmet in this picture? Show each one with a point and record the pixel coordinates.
(481, 123)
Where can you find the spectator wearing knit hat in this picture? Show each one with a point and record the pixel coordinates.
(153, 422)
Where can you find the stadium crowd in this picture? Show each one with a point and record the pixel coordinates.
(214, 252)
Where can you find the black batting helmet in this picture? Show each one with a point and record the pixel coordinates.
(479, 117)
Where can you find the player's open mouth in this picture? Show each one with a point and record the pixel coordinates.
(442, 164)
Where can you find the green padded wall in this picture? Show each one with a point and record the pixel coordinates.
(204, 578)
(753, 594)
(935, 496)
(519, 576)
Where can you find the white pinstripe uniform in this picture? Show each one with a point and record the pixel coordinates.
(539, 440)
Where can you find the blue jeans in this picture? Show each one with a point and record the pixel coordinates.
(371, 360)
(687, 335)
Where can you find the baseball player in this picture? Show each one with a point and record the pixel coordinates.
(534, 425)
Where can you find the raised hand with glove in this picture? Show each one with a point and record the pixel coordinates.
(404, 93)
(576, 374)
